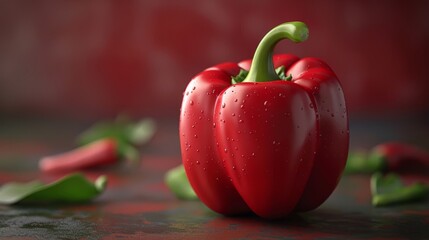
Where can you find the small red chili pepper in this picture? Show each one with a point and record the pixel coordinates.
(99, 153)
(401, 157)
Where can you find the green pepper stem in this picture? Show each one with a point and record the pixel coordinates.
(262, 68)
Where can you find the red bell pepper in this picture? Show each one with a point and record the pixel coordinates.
(265, 141)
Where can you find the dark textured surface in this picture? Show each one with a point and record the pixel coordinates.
(138, 205)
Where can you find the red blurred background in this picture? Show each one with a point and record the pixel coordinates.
(92, 59)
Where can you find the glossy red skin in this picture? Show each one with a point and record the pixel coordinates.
(203, 166)
(281, 148)
(322, 83)
(268, 144)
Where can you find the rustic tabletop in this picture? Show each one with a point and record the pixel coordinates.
(137, 204)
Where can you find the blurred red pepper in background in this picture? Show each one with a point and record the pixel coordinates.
(97, 154)
(389, 157)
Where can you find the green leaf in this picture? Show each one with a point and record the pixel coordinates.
(281, 72)
(243, 74)
(142, 131)
(361, 162)
(11, 193)
(116, 130)
(126, 133)
(389, 189)
(240, 77)
(73, 188)
(178, 183)
(129, 152)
